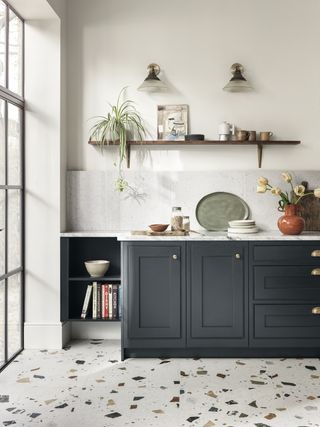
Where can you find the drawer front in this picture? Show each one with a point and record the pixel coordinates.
(286, 253)
(286, 283)
(283, 322)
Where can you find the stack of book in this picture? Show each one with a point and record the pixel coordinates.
(106, 301)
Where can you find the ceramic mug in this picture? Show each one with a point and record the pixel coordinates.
(252, 135)
(242, 135)
(265, 136)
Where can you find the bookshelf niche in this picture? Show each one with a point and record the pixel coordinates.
(75, 278)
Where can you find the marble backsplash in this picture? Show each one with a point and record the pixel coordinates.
(94, 205)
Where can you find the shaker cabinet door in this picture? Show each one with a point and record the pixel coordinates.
(154, 291)
(217, 294)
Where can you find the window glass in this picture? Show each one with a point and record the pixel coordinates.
(3, 31)
(14, 314)
(14, 229)
(15, 53)
(14, 145)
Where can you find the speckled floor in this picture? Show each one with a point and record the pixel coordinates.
(87, 385)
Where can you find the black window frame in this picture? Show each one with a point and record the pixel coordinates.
(16, 100)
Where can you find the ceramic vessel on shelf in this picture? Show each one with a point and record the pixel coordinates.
(290, 222)
(97, 268)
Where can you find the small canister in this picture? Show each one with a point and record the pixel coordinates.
(176, 219)
(186, 223)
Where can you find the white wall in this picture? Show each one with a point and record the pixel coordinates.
(44, 171)
(110, 44)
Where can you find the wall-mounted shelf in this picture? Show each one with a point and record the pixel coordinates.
(259, 144)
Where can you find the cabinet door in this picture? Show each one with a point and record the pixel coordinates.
(153, 294)
(217, 295)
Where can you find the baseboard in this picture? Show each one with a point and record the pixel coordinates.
(96, 330)
(46, 335)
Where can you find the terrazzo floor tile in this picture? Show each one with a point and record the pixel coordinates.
(86, 384)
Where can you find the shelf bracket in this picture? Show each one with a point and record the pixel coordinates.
(128, 153)
(260, 150)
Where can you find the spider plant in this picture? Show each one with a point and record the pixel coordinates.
(122, 120)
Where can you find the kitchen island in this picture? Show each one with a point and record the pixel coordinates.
(214, 296)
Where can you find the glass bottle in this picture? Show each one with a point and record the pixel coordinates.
(186, 223)
(176, 219)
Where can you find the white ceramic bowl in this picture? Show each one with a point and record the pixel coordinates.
(97, 268)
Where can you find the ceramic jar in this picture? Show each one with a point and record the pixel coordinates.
(291, 222)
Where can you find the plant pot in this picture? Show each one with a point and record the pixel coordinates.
(290, 223)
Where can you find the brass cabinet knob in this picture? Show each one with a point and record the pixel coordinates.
(315, 272)
(238, 256)
(174, 256)
(316, 310)
(315, 253)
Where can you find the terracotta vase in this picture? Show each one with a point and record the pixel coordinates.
(290, 222)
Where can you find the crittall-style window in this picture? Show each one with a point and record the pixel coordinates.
(11, 182)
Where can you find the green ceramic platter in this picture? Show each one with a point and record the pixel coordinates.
(215, 210)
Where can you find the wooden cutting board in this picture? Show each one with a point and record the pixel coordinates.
(310, 211)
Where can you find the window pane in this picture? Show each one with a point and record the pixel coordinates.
(2, 324)
(14, 314)
(15, 53)
(2, 44)
(2, 146)
(2, 232)
(14, 145)
(14, 229)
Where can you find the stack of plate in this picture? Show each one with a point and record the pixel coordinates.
(242, 226)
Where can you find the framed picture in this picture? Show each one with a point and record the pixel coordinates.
(172, 122)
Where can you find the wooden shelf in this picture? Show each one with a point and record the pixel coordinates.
(258, 144)
(95, 279)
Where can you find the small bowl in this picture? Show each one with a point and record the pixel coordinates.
(97, 268)
(158, 228)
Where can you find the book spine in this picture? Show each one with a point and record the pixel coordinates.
(99, 300)
(103, 314)
(106, 301)
(86, 302)
(120, 302)
(94, 300)
(110, 301)
(114, 301)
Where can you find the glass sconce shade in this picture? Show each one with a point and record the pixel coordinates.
(237, 83)
(152, 83)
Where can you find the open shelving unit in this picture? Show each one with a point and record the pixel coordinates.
(75, 278)
(259, 144)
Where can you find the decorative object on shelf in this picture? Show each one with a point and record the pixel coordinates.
(159, 227)
(115, 126)
(242, 135)
(172, 122)
(97, 268)
(224, 131)
(252, 135)
(215, 210)
(176, 219)
(194, 137)
(290, 223)
(152, 83)
(310, 210)
(265, 136)
(237, 83)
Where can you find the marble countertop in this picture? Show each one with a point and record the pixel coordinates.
(203, 235)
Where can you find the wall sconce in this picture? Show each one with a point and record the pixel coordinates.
(152, 83)
(237, 83)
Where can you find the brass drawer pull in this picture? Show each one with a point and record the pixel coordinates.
(315, 253)
(316, 310)
(315, 272)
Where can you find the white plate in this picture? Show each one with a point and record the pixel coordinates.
(240, 223)
(243, 227)
(243, 230)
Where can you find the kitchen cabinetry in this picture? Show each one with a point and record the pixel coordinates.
(217, 295)
(154, 293)
(283, 291)
(237, 299)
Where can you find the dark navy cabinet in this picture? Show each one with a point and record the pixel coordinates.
(154, 293)
(214, 298)
(217, 294)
